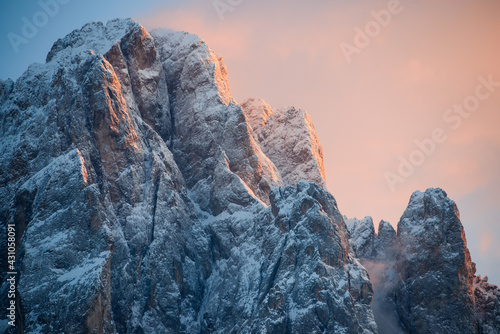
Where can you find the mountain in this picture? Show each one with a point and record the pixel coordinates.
(425, 278)
(146, 200)
(288, 138)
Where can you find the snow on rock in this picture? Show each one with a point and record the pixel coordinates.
(368, 245)
(376, 252)
(212, 137)
(142, 202)
(288, 138)
(146, 200)
(435, 267)
(362, 236)
(95, 193)
(385, 242)
(487, 298)
(285, 269)
(424, 273)
(423, 276)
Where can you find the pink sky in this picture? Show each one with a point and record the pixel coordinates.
(370, 111)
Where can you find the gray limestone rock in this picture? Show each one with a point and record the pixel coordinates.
(288, 138)
(423, 276)
(141, 200)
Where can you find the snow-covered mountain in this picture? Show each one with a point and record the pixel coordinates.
(146, 200)
(424, 278)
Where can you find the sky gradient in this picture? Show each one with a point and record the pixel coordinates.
(407, 78)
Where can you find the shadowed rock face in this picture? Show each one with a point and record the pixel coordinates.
(487, 298)
(435, 267)
(143, 203)
(423, 277)
(94, 191)
(288, 271)
(377, 252)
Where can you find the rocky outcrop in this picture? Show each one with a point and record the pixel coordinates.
(288, 138)
(377, 253)
(95, 193)
(213, 147)
(287, 270)
(367, 244)
(361, 237)
(423, 277)
(487, 298)
(435, 268)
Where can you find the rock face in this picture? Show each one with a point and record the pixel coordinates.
(288, 138)
(423, 277)
(143, 204)
(286, 269)
(370, 246)
(435, 267)
(146, 200)
(362, 236)
(377, 253)
(212, 145)
(487, 297)
(95, 193)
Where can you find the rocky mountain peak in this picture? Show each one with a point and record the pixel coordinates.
(257, 112)
(487, 299)
(287, 136)
(423, 274)
(433, 254)
(94, 36)
(386, 230)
